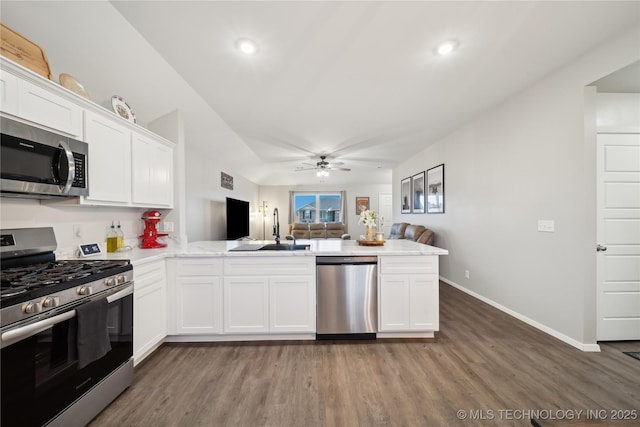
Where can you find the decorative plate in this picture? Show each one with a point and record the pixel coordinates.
(121, 108)
(70, 82)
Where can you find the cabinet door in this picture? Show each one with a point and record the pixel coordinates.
(199, 305)
(149, 308)
(292, 304)
(152, 164)
(424, 303)
(394, 303)
(45, 108)
(409, 302)
(9, 93)
(246, 304)
(109, 160)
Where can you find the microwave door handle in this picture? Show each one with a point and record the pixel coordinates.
(71, 166)
(15, 335)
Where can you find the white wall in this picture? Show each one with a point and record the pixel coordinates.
(93, 222)
(519, 162)
(205, 198)
(278, 197)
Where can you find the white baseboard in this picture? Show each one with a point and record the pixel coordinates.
(562, 337)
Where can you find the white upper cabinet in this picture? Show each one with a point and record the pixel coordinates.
(40, 106)
(127, 166)
(152, 183)
(8, 93)
(109, 160)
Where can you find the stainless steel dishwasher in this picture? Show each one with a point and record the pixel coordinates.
(347, 297)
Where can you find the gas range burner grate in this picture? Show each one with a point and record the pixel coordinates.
(17, 280)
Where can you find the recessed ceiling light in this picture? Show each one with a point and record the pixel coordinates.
(246, 46)
(446, 47)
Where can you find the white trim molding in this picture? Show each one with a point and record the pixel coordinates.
(562, 337)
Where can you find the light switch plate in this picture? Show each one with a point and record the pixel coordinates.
(546, 225)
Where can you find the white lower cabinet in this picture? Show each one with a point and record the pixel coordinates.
(149, 308)
(246, 304)
(292, 304)
(269, 295)
(198, 296)
(409, 294)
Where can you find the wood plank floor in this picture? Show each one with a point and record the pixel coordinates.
(496, 369)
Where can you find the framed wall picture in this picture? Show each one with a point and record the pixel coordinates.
(362, 204)
(226, 181)
(417, 192)
(435, 189)
(405, 195)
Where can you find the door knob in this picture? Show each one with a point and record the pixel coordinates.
(600, 248)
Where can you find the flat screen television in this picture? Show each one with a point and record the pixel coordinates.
(237, 219)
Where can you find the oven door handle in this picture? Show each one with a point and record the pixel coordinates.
(9, 337)
(120, 294)
(18, 334)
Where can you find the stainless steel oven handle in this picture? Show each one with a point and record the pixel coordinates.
(120, 294)
(15, 335)
(9, 337)
(71, 166)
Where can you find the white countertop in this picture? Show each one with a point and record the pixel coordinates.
(318, 247)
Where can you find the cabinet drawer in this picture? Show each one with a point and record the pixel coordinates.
(148, 274)
(408, 264)
(269, 266)
(198, 267)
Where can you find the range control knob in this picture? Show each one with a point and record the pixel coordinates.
(109, 281)
(50, 302)
(85, 290)
(31, 308)
(121, 279)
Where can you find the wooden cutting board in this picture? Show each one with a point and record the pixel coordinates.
(23, 51)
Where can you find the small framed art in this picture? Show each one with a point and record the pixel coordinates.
(417, 192)
(362, 204)
(405, 195)
(435, 189)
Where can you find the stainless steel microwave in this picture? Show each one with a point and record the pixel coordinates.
(36, 163)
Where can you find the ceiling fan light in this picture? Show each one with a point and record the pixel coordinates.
(322, 173)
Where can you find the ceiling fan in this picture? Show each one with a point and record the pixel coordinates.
(323, 167)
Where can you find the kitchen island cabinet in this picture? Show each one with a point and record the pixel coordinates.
(269, 295)
(409, 296)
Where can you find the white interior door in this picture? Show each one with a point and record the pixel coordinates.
(618, 233)
(385, 212)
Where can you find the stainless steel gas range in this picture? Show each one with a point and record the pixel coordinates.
(66, 332)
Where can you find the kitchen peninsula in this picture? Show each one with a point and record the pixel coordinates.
(206, 291)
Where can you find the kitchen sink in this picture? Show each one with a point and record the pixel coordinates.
(284, 247)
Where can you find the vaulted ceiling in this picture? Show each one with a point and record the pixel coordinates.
(359, 81)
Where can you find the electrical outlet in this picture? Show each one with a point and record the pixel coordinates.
(466, 274)
(77, 231)
(168, 227)
(546, 225)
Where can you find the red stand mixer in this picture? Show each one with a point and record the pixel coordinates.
(150, 233)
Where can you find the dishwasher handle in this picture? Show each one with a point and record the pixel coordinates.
(346, 260)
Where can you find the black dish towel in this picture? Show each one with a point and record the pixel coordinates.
(93, 336)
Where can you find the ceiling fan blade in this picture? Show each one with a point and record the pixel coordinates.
(305, 169)
(340, 169)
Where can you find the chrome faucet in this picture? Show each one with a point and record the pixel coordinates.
(276, 225)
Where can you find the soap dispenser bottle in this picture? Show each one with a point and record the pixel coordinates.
(119, 237)
(112, 239)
